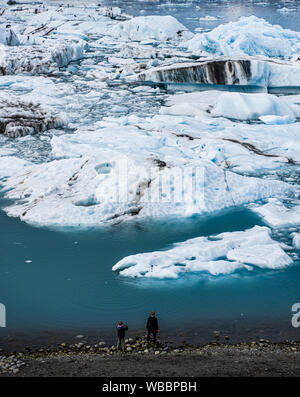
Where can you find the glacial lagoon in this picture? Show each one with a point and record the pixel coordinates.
(56, 258)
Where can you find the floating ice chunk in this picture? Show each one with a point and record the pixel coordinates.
(227, 71)
(208, 18)
(208, 254)
(143, 167)
(44, 18)
(10, 165)
(276, 214)
(285, 10)
(19, 118)
(40, 59)
(296, 240)
(277, 120)
(153, 27)
(241, 106)
(8, 37)
(247, 36)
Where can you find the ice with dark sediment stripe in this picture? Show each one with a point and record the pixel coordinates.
(19, 118)
(40, 59)
(8, 36)
(228, 71)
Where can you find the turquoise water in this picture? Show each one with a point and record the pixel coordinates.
(70, 285)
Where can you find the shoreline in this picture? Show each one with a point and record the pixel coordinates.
(263, 350)
(244, 330)
(257, 358)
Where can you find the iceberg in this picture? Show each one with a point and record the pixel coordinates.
(8, 37)
(248, 36)
(276, 214)
(92, 182)
(227, 71)
(19, 118)
(120, 136)
(216, 255)
(277, 120)
(296, 240)
(240, 106)
(40, 59)
(151, 27)
(9, 165)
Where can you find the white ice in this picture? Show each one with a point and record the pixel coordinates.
(296, 240)
(76, 184)
(150, 27)
(94, 180)
(240, 106)
(221, 254)
(263, 73)
(276, 214)
(8, 36)
(248, 36)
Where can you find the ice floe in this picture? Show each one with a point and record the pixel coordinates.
(142, 174)
(217, 255)
(160, 28)
(8, 36)
(19, 118)
(240, 106)
(248, 36)
(92, 62)
(296, 240)
(227, 71)
(40, 59)
(276, 214)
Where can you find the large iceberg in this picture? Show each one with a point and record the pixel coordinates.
(221, 254)
(151, 27)
(124, 155)
(19, 118)
(248, 36)
(227, 71)
(41, 59)
(240, 106)
(141, 174)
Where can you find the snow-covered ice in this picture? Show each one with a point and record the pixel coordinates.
(251, 106)
(107, 144)
(150, 27)
(90, 174)
(296, 240)
(19, 118)
(276, 214)
(8, 36)
(221, 254)
(248, 36)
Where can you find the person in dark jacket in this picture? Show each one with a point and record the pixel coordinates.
(152, 327)
(121, 329)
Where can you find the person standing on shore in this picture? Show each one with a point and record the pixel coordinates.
(121, 329)
(152, 327)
